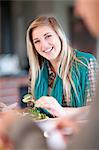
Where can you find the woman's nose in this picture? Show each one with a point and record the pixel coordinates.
(44, 44)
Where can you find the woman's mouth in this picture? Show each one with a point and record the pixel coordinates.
(48, 50)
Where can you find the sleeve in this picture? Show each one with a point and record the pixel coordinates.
(90, 90)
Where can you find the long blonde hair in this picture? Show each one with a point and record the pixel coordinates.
(67, 54)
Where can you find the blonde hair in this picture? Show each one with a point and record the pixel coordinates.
(67, 54)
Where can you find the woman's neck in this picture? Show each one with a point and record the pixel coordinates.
(55, 64)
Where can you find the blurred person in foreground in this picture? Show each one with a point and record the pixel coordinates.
(88, 136)
(19, 132)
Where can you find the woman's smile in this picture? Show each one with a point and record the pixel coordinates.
(48, 50)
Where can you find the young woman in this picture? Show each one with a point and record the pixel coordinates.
(61, 77)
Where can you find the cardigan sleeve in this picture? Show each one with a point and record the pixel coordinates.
(90, 92)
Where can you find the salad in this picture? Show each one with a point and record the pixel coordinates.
(32, 110)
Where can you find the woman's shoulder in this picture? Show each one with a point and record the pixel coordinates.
(84, 55)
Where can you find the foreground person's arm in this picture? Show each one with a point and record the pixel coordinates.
(79, 112)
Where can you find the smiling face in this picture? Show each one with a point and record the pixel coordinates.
(46, 42)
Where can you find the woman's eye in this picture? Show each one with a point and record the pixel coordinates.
(48, 36)
(35, 42)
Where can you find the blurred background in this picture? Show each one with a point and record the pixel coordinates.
(15, 17)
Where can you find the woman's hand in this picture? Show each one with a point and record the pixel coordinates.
(67, 123)
(50, 103)
(67, 127)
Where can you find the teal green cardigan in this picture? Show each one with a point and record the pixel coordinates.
(79, 74)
